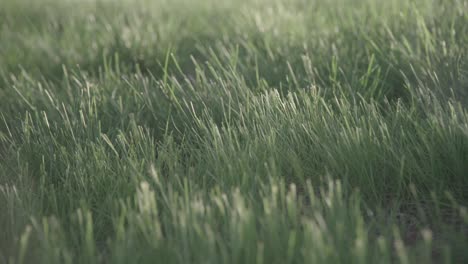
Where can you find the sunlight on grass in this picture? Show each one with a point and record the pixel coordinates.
(284, 131)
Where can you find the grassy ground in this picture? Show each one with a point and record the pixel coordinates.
(222, 131)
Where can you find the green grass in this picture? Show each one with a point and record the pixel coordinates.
(233, 131)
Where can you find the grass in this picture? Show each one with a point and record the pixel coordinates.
(221, 131)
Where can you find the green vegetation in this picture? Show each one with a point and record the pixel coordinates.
(233, 131)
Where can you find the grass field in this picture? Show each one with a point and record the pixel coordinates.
(233, 131)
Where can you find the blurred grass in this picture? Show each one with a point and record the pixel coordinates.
(285, 131)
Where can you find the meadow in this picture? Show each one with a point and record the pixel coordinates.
(233, 131)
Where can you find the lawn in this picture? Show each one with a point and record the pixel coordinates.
(233, 131)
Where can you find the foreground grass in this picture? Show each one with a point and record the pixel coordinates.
(208, 131)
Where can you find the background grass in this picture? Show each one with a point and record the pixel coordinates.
(222, 131)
